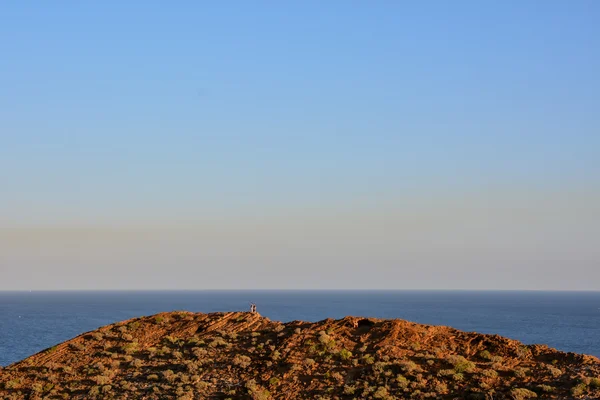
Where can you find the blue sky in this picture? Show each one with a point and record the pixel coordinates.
(124, 115)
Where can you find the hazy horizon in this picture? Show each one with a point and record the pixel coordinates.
(385, 145)
(350, 290)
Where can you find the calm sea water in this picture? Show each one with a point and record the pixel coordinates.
(569, 321)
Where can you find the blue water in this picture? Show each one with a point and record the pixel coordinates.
(569, 321)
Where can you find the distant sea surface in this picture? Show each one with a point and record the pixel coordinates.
(568, 321)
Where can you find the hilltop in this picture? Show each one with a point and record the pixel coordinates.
(239, 355)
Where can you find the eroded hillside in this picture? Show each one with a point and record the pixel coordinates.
(237, 355)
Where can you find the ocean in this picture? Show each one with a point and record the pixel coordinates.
(568, 321)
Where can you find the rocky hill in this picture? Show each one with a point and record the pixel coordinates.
(238, 355)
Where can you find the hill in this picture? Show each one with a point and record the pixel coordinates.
(239, 355)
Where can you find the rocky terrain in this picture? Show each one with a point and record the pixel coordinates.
(238, 355)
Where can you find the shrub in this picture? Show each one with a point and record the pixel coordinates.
(523, 352)
(326, 340)
(489, 373)
(37, 387)
(379, 367)
(136, 363)
(595, 383)
(199, 352)
(94, 391)
(77, 346)
(273, 381)
(445, 372)
(408, 366)
(368, 359)
(337, 376)
(521, 372)
(102, 380)
(133, 325)
(381, 393)
(130, 348)
(349, 389)
(276, 355)
(169, 375)
(485, 355)
(201, 385)
(579, 389)
(13, 384)
(441, 387)
(458, 377)
(309, 362)
(345, 354)
(521, 394)
(402, 381)
(242, 361)
(257, 392)
(460, 363)
(464, 366)
(218, 342)
(555, 372)
(545, 388)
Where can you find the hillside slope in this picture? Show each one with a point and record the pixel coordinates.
(238, 355)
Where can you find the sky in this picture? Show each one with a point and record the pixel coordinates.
(300, 145)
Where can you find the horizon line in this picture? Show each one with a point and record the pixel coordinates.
(297, 290)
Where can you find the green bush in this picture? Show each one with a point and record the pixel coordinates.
(345, 354)
(274, 381)
(368, 359)
(461, 364)
(402, 381)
